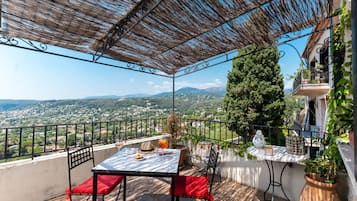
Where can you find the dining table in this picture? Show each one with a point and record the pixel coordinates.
(156, 163)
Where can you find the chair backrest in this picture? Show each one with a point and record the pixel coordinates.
(77, 158)
(212, 163)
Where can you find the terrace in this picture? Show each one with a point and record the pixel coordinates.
(197, 36)
(46, 157)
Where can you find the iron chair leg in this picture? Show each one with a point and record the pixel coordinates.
(117, 198)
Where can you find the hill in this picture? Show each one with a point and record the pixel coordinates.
(219, 91)
(84, 110)
(9, 104)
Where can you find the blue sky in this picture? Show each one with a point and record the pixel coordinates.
(30, 75)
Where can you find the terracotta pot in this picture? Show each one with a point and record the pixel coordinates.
(318, 191)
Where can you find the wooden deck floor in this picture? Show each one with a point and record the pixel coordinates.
(157, 189)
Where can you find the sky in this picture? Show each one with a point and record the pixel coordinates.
(30, 75)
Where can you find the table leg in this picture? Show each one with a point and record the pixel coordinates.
(172, 189)
(95, 179)
(124, 191)
(270, 181)
(281, 182)
(273, 182)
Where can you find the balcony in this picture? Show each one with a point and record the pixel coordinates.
(45, 166)
(311, 84)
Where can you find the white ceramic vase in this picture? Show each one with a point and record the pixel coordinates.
(258, 139)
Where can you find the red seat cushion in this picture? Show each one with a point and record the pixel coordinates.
(192, 186)
(106, 183)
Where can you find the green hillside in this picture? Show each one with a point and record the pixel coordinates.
(84, 110)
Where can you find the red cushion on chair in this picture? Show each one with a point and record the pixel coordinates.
(192, 186)
(106, 183)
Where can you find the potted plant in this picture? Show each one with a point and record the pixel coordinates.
(321, 176)
(315, 81)
(306, 75)
(173, 127)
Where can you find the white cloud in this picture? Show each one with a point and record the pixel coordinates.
(150, 83)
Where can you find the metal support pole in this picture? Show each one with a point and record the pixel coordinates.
(173, 93)
(354, 76)
(330, 49)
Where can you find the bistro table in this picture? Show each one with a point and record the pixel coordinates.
(164, 163)
(278, 154)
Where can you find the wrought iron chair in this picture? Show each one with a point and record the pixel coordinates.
(106, 183)
(199, 187)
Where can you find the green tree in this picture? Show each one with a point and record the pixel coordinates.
(254, 91)
(293, 106)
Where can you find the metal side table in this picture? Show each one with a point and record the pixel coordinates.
(278, 154)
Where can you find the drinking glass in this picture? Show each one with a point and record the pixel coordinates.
(163, 144)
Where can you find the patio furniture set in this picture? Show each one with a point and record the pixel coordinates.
(114, 171)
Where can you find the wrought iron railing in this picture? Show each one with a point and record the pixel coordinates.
(316, 76)
(220, 131)
(32, 141)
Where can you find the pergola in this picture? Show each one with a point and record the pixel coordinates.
(154, 36)
(158, 35)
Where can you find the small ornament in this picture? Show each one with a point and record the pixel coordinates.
(258, 139)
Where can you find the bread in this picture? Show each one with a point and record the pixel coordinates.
(139, 156)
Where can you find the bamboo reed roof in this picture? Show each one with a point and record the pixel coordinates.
(161, 34)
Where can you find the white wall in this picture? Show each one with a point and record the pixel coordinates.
(46, 177)
(255, 173)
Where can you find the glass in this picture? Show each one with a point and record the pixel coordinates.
(163, 144)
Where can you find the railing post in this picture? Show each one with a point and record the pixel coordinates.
(146, 127)
(84, 134)
(119, 130)
(141, 125)
(92, 138)
(310, 144)
(75, 135)
(220, 130)
(107, 134)
(209, 129)
(114, 132)
(100, 132)
(56, 137)
(6, 142)
(33, 143)
(66, 132)
(126, 130)
(20, 142)
(45, 140)
(226, 134)
(131, 127)
(136, 128)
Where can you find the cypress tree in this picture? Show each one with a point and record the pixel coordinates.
(254, 91)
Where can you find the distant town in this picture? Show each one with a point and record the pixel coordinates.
(189, 102)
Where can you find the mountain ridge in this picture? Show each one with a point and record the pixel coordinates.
(13, 104)
(185, 90)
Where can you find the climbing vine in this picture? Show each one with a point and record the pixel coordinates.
(340, 106)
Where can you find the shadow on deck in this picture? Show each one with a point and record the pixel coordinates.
(157, 189)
